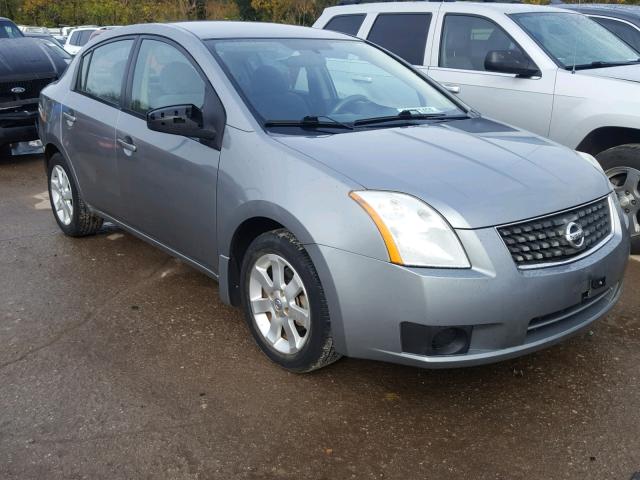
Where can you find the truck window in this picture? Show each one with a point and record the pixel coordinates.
(404, 34)
(466, 41)
(349, 24)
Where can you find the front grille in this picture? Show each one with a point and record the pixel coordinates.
(32, 89)
(544, 240)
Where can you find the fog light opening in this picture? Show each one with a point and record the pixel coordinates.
(450, 341)
(431, 340)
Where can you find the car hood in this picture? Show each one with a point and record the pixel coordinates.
(630, 73)
(27, 58)
(477, 173)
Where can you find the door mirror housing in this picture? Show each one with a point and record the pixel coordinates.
(185, 120)
(511, 61)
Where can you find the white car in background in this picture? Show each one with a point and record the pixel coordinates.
(548, 70)
(78, 38)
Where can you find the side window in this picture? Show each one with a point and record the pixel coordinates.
(624, 31)
(163, 77)
(404, 34)
(75, 38)
(466, 41)
(102, 71)
(349, 24)
(84, 37)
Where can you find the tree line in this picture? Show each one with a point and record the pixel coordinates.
(55, 13)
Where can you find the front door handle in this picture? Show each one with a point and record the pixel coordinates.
(127, 144)
(453, 88)
(71, 119)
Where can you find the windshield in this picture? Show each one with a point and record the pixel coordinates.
(576, 40)
(9, 30)
(335, 81)
(56, 48)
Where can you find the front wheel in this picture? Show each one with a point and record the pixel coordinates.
(72, 214)
(622, 166)
(284, 303)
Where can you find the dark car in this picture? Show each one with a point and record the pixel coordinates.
(44, 36)
(621, 20)
(27, 65)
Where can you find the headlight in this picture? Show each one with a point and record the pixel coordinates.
(591, 159)
(414, 233)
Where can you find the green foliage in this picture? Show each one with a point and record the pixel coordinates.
(53, 13)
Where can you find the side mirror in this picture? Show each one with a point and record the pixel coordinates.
(511, 61)
(185, 120)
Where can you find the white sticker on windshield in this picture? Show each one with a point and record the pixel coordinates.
(420, 109)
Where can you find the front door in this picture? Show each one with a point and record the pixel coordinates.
(90, 113)
(168, 181)
(458, 64)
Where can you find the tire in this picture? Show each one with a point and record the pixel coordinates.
(5, 151)
(622, 166)
(298, 345)
(72, 215)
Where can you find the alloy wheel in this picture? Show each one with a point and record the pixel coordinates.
(626, 183)
(279, 304)
(61, 195)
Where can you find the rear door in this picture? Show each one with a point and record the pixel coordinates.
(90, 113)
(169, 181)
(461, 45)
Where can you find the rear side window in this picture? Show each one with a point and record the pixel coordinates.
(349, 24)
(624, 31)
(404, 34)
(102, 71)
(466, 41)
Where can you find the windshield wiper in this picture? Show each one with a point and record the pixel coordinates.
(601, 64)
(408, 115)
(309, 122)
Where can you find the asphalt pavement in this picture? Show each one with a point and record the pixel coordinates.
(119, 362)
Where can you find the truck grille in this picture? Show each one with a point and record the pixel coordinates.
(545, 239)
(31, 88)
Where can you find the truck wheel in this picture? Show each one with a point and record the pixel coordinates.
(622, 166)
(72, 214)
(284, 303)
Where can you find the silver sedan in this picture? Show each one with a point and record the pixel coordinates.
(348, 203)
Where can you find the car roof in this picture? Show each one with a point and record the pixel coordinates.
(630, 13)
(228, 29)
(477, 7)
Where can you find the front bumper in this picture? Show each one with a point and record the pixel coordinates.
(19, 124)
(369, 299)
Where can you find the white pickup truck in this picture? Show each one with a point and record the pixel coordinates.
(547, 70)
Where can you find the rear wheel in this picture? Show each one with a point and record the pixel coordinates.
(284, 303)
(622, 166)
(72, 215)
(5, 151)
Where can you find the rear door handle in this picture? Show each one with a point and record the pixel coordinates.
(127, 144)
(71, 119)
(452, 88)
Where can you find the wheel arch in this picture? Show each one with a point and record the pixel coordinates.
(604, 138)
(50, 149)
(259, 217)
